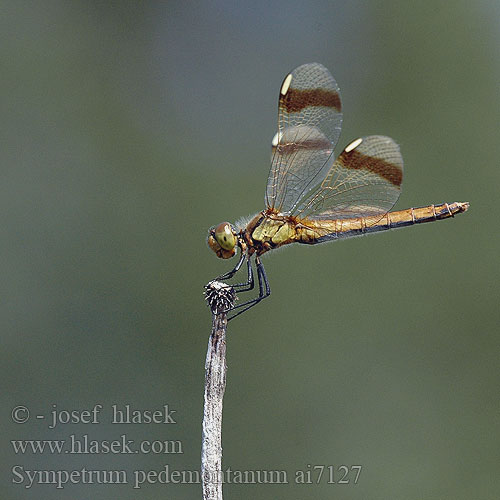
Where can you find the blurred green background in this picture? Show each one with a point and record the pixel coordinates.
(129, 128)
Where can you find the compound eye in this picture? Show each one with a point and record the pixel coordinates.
(225, 236)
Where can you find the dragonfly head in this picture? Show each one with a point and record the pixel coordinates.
(222, 240)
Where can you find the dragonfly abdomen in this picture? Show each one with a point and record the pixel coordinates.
(327, 230)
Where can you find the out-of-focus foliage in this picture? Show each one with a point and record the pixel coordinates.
(129, 128)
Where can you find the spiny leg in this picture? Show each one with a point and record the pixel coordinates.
(245, 286)
(264, 290)
(249, 284)
(231, 273)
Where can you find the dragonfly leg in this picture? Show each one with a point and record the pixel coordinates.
(249, 284)
(231, 273)
(264, 290)
(245, 286)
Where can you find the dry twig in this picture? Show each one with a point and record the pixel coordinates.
(220, 297)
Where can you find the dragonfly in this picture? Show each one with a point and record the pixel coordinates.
(311, 197)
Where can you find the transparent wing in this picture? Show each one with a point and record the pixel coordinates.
(309, 124)
(365, 180)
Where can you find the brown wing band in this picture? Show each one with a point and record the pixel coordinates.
(297, 99)
(292, 147)
(356, 160)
